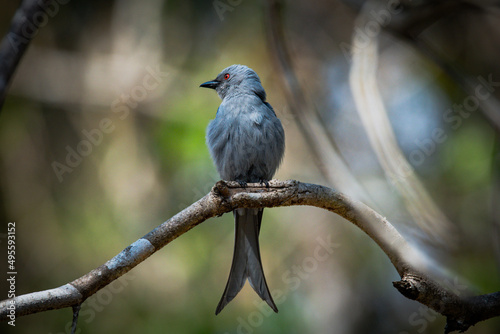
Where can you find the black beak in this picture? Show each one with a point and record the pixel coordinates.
(210, 84)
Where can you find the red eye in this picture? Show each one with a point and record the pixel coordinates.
(226, 76)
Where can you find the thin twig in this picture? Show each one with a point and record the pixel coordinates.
(373, 114)
(322, 146)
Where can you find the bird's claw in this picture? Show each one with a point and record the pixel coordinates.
(266, 182)
(243, 184)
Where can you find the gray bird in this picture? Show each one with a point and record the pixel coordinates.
(246, 142)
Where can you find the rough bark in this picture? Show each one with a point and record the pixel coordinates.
(461, 311)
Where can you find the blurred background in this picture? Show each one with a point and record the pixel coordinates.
(102, 138)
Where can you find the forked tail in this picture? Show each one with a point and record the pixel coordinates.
(246, 259)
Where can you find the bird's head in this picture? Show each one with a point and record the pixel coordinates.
(236, 79)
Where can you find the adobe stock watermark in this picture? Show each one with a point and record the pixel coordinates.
(292, 279)
(121, 107)
(222, 6)
(39, 19)
(421, 318)
(98, 301)
(454, 117)
(375, 21)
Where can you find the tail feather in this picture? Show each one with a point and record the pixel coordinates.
(246, 259)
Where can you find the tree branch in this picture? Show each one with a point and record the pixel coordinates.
(326, 154)
(461, 312)
(24, 26)
(371, 109)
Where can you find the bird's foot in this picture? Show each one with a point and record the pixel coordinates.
(243, 184)
(266, 182)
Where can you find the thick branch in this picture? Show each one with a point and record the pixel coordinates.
(462, 312)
